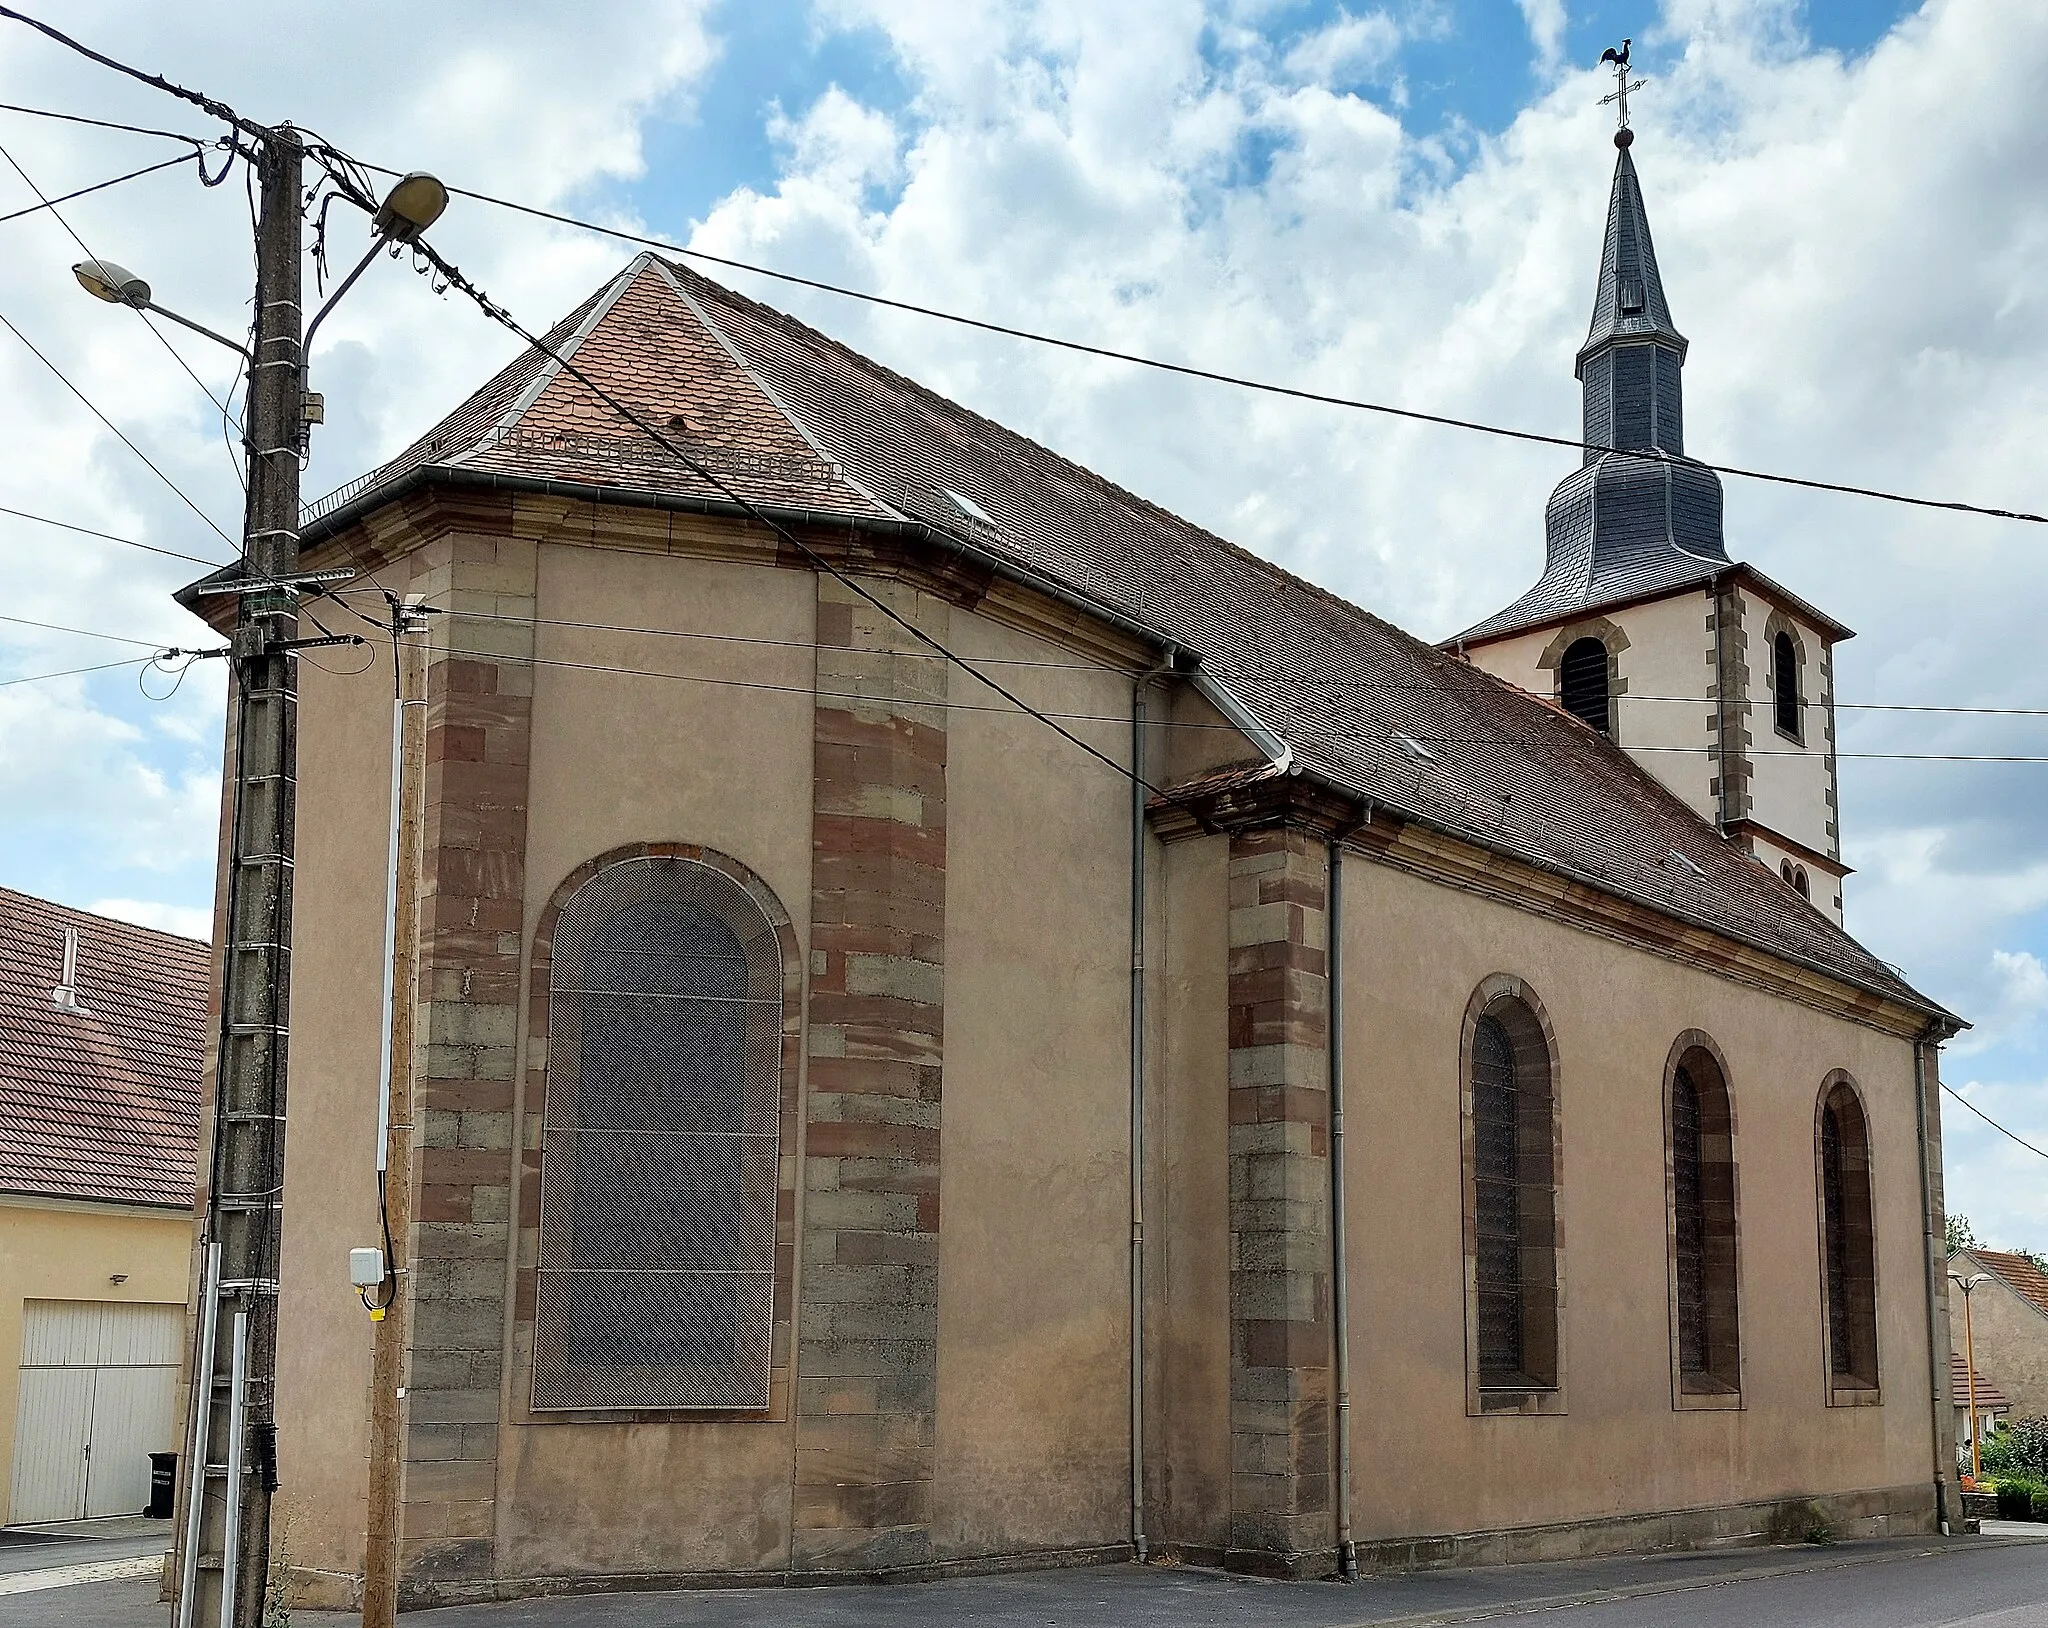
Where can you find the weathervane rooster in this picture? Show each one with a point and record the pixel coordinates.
(1619, 95)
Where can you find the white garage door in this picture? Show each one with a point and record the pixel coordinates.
(99, 1394)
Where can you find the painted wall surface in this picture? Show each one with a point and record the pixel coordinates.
(1414, 954)
(1034, 1257)
(1791, 780)
(60, 1251)
(1662, 717)
(1188, 1196)
(629, 758)
(2012, 1343)
(324, 1335)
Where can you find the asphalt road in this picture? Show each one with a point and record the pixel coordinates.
(1901, 1585)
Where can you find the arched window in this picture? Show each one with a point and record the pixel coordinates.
(1848, 1247)
(659, 1144)
(1513, 1201)
(1582, 684)
(1785, 684)
(1795, 878)
(1706, 1328)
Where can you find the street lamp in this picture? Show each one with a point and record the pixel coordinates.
(117, 285)
(1969, 1287)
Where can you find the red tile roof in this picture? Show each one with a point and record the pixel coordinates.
(100, 1103)
(2021, 1275)
(808, 429)
(1990, 1399)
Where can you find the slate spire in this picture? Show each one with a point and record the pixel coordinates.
(1637, 516)
(1629, 365)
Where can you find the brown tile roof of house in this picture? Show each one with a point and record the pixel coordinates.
(2021, 1275)
(1990, 1399)
(99, 1103)
(806, 428)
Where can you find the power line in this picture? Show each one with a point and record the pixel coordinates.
(454, 277)
(6, 322)
(51, 205)
(1338, 687)
(125, 542)
(218, 110)
(1185, 370)
(84, 632)
(101, 124)
(1994, 1124)
(99, 186)
(73, 672)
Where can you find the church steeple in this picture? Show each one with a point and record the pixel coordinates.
(1629, 365)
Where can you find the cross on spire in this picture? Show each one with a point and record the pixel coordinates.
(1619, 95)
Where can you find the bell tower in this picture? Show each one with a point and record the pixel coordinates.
(1716, 680)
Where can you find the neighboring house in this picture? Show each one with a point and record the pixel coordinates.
(102, 1030)
(2010, 1318)
(1992, 1406)
(783, 993)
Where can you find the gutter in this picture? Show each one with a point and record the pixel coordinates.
(1248, 723)
(1940, 1405)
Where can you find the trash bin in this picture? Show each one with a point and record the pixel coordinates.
(163, 1485)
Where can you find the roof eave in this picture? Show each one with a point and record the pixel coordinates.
(1835, 632)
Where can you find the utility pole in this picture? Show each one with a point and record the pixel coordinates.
(234, 1400)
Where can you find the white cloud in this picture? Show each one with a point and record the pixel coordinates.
(1351, 48)
(1546, 20)
(188, 921)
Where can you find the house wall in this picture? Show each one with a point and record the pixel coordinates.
(1414, 953)
(324, 1334)
(59, 1251)
(2012, 1343)
(1792, 776)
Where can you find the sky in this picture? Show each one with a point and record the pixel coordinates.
(1400, 201)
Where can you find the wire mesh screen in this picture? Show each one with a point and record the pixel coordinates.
(1497, 1171)
(1689, 1202)
(659, 1145)
(1835, 1221)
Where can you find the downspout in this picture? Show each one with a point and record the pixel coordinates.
(1340, 1294)
(1937, 1361)
(1139, 1548)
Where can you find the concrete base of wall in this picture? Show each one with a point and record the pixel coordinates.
(1824, 1517)
(422, 1595)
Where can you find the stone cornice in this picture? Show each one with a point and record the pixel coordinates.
(1245, 799)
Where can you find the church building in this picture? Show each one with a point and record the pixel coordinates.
(951, 1019)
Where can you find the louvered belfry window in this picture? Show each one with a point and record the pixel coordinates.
(1513, 1203)
(659, 1144)
(1785, 684)
(1582, 684)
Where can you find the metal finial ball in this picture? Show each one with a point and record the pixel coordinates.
(1624, 137)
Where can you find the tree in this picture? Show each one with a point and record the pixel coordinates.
(1961, 1235)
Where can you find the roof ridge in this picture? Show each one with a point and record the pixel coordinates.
(117, 923)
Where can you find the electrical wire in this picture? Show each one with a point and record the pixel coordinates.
(108, 536)
(215, 109)
(73, 672)
(100, 124)
(161, 338)
(84, 632)
(7, 322)
(454, 278)
(1994, 1124)
(1213, 376)
(98, 186)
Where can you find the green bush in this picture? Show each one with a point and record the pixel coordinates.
(2023, 1449)
(2018, 1497)
(2041, 1503)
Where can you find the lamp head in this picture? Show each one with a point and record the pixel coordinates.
(410, 207)
(117, 285)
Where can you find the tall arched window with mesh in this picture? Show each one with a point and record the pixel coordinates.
(1583, 684)
(1703, 1245)
(659, 1144)
(1848, 1245)
(1513, 1200)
